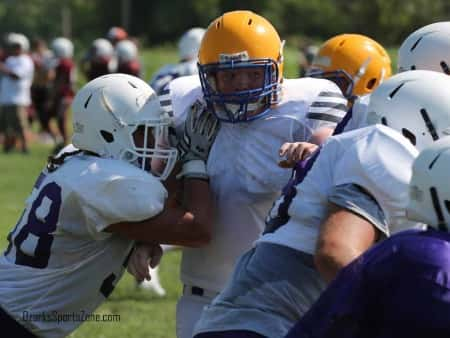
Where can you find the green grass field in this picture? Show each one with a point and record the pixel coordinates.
(141, 314)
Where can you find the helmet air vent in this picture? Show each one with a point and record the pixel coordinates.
(437, 209)
(371, 83)
(250, 21)
(132, 84)
(409, 135)
(434, 161)
(87, 101)
(107, 136)
(430, 126)
(415, 44)
(392, 94)
(445, 67)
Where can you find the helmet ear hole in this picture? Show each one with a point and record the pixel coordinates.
(409, 135)
(371, 83)
(107, 136)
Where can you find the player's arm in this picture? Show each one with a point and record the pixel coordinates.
(187, 225)
(320, 135)
(354, 223)
(328, 109)
(6, 71)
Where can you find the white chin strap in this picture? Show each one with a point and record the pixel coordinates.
(251, 107)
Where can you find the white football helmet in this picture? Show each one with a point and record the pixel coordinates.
(126, 51)
(189, 43)
(62, 48)
(18, 39)
(102, 48)
(429, 189)
(415, 103)
(427, 48)
(113, 113)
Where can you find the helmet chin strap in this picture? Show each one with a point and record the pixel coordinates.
(251, 107)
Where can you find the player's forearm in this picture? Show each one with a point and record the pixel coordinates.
(321, 135)
(198, 201)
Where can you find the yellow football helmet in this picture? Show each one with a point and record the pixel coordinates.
(356, 63)
(241, 40)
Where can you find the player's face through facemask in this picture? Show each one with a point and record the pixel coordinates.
(151, 142)
(239, 81)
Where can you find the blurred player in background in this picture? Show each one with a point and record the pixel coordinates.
(188, 46)
(41, 87)
(306, 57)
(127, 58)
(99, 60)
(15, 91)
(116, 34)
(63, 85)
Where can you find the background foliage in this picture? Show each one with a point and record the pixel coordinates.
(155, 22)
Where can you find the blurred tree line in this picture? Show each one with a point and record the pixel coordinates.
(158, 21)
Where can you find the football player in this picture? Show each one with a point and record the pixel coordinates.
(241, 81)
(127, 58)
(400, 287)
(70, 246)
(116, 34)
(99, 60)
(353, 195)
(40, 89)
(188, 46)
(62, 91)
(357, 64)
(16, 75)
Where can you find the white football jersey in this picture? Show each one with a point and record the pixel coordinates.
(359, 114)
(244, 175)
(170, 72)
(59, 261)
(376, 158)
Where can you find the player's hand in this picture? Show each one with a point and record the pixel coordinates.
(200, 130)
(294, 152)
(144, 255)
